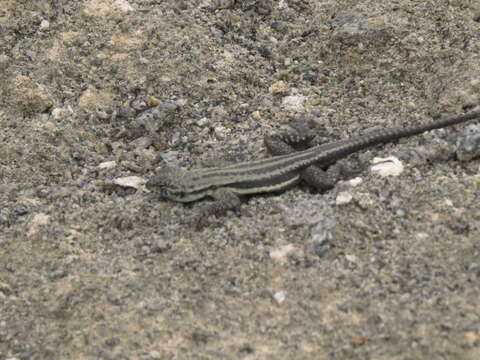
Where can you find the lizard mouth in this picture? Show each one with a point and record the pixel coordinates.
(157, 188)
(151, 185)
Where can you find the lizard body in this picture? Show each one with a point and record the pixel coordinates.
(279, 172)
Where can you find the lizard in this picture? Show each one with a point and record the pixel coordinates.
(287, 166)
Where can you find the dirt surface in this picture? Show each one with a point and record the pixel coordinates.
(97, 94)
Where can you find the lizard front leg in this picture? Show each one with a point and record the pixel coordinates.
(224, 199)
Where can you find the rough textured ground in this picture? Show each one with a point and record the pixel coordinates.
(383, 268)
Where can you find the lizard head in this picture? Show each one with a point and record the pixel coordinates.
(172, 183)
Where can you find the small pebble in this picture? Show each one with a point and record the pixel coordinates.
(280, 296)
(279, 254)
(343, 198)
(202, 122)
(355, 181)
(278, 87)
(160, 246)
(44, 25)
(221, 132)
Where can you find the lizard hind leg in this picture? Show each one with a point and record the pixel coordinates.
(302, 136)
(287, 142)
(321, 180)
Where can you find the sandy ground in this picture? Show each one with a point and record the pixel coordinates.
(97, 93)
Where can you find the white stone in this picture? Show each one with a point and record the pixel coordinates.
(135, 182)
(280, 296)
(293, 102)
(44, 25)
(389, 166)
(343, 198)
(279, 254)
(107, 165)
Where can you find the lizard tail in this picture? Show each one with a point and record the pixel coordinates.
(388, 135)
